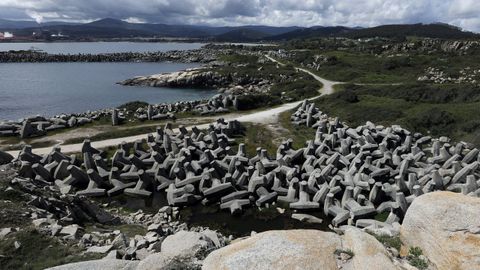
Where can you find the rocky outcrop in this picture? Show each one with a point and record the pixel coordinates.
(302, 249)
(197, 78)
(446, 226)
(368, 253)
(230, 83)
(104, 264)
(182, 250)
(293, 249)
(5, 158)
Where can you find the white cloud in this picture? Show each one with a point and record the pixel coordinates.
(134, 20)
(463, 13)
(35, 15)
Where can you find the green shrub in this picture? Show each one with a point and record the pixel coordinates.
(249, 102)
(389, 241)
(415, 251)
(296, 90)
(435, 120)
(38, 251)
(348, 96)
(470, 126)
(396, 62)
(133, 105)
(414, 258)
(419, 92)
(349, 252)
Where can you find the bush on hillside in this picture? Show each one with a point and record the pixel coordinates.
(133, 105)
(249, 102)
(435, 120)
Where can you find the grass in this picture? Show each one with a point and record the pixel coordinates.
(38, 251)
(389, 241)
(115, 133)
(129, 230)
(364, 66)
(381, 216)
(288, 84)
(415, 259)
(349, 252)
(299, 134)
(257, 135)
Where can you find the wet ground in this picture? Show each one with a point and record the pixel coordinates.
(252, 219)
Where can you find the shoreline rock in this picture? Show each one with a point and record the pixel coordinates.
(203, 55)
(446, 226)
(302, 249)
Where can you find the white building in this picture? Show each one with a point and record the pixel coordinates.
(7, 35)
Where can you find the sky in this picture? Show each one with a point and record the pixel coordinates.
(364, 13)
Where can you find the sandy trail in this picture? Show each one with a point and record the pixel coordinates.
(267, 116)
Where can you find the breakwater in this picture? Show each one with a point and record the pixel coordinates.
(351, 174)
(190, 56)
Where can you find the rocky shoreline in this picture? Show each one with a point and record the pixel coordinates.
(188, 56)
(203, 78)
(38, 126)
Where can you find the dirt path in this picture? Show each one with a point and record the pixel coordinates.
(327, 88)
(268, 116)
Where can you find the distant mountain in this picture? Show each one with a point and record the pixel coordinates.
(113, 28)
(109, 28)
(435, 30)
(241, 35)
(316, 31)
(8, 24)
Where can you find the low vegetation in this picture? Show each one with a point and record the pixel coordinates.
(389, 241)
(446, 110)
(38, 251)
(257, 135)
(369, 62)
(287, 83)
(250, 102)
(34, 249)
(299, 134)
(349, 252)
(415, 258)
(133, 105)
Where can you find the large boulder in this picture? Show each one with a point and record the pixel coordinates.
(104, 264)
(368, 252)
(155, 261)
(179, 251)
(446, 226)
(185, 244)
(302, 249)
(292, 249)
(5, 157)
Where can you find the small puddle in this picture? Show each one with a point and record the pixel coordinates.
(211, 216)
(252, 219)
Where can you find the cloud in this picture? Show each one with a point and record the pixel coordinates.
(134, 20)
(463, 13)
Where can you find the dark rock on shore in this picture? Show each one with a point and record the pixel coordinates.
(190, 56)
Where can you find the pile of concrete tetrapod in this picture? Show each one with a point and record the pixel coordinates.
(217, 104)
(373, 169)
(352, 174)
(39, 126)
